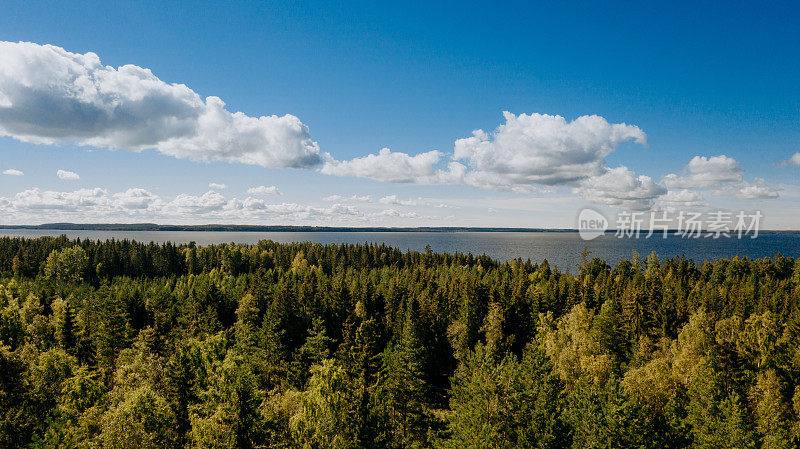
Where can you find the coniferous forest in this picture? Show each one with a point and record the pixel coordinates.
(120, 344)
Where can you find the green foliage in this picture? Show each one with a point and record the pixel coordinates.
(401, 396)
(124, 344)
(142, 420)
(325, 418)
(66, 265)
(505, 403)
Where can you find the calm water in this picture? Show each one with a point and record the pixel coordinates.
(560, 249)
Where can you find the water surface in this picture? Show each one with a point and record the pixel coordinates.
(560, 249)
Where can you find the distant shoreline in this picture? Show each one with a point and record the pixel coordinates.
(282, 228)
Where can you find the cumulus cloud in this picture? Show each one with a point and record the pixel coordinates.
(348, 199)
(291, 210)
(680, 199)
(388, 166)
(758, 190)
(721, 173)
(494, 181)
(621, 187)
(217, 186)
(136, 204)
(748, 190)
(52, 200)
(703, 172)
(67, 175)
(49, 95)
(208, 202)
(393, 199)
(545, 149)
(13, 172)
(264, 190)
(794, 160)
(137, 199)
(527, 149)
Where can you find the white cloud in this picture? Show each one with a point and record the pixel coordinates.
(620, 187)
(208, 202)
(545, 149)
(394, 213)
(703, 172)
(756, 191)
(67, 175)
(494, 181)
(294, 210)
(50, 96)
(348, 199)
(53, 200)
(388, 166)
(680, 199)
(393, 199)
(13, 172)
(747, 190)
(721, 173)
(419, 201)
(794, 160)
(217, 186)
(139, 205)
(137, 198)
(526, 150)
(264, 190)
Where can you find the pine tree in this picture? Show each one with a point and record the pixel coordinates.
(313, 352)
(66, 329)
(402, 391)
(609, 330)
(16, 266)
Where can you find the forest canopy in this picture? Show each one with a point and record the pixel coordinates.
(120, 344)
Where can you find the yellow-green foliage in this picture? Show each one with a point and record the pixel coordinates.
(121, 344)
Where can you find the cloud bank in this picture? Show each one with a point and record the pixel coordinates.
(534, 152)
(51, 96)
(136, 204)
(528, 149)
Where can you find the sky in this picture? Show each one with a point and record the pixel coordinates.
(397, 114)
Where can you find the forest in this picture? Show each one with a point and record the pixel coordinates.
(121, 344)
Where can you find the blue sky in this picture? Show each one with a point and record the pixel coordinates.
(700, 79)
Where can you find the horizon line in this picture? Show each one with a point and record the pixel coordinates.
(221, 227)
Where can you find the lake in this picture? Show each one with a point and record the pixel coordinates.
(560, 249)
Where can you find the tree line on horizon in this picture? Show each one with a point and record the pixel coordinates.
(121, 344)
